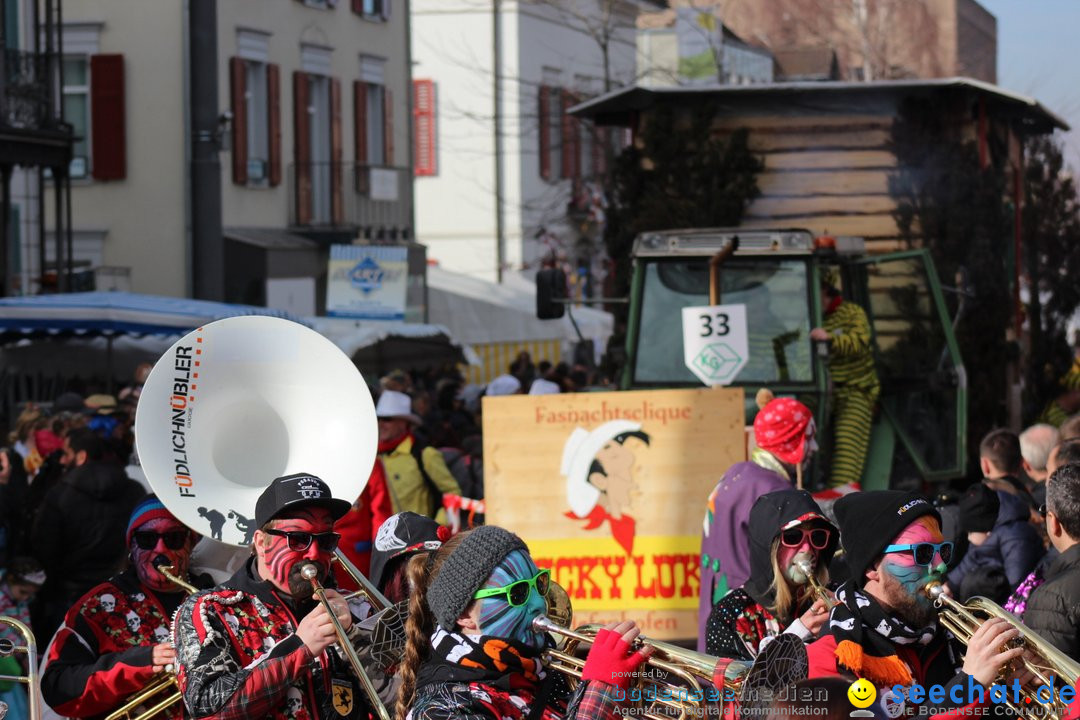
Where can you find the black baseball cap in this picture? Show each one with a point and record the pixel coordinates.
(299, 490)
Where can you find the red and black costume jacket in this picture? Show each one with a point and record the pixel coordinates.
(239, 657)
(101, 655)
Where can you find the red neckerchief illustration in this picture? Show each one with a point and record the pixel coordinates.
(599, 471)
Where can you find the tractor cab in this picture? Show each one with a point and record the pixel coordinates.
(919, 429)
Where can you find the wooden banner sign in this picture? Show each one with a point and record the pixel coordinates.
(609, 491)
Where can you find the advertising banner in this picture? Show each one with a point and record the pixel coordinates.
(609, 491)
(367, 282)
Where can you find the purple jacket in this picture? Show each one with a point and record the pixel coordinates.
(725, 538)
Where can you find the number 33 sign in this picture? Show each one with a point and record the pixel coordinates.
(715, 345)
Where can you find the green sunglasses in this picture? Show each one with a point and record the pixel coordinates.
(517, 593)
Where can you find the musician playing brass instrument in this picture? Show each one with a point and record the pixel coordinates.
(788, 534)
(115, 639)
(885, 628)
(259, 645)
(472, 651)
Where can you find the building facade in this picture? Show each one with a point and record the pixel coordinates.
(314, 110)
(505, 178)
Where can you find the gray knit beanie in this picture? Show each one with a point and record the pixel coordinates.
(466, 571)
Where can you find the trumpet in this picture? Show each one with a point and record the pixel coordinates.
(30, 679)
(694, 673)
(162, 692)
(816, 587)
(310, 571)
(1044, 661)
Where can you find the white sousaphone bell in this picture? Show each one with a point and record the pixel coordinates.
(241, 401)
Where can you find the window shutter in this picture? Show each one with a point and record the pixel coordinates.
(569, 138)
(358, 7)
(302, 144)
(360, 122)
(388, 127)
(237, 80)
(273, 121)
(337, 195)
(107, 119)
(545, 132)
(424, 127)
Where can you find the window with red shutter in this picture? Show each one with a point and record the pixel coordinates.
(388, 127)
(237, 78)
(424, 127)
(302, 143)
(337, 195)
(544, 128)
(273, 112)
(107, 117)
(569, 126)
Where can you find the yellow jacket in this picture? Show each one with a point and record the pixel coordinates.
(408, 491)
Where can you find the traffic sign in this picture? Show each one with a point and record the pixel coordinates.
(715, 345)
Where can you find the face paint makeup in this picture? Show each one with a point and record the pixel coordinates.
(904, 579)
(280, 565)
(144, 561)
(497, 617)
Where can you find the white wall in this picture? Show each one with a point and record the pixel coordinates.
(453, 44)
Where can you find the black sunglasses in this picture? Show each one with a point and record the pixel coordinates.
(147, 540)
(301, 541)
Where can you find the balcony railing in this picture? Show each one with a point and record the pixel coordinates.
(373, 198)
(24, 92)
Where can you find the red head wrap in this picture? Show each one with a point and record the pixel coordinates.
(780, 429)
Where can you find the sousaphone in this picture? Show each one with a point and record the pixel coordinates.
(241, 401)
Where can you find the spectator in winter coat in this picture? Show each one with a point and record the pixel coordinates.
(78, 534)
(417, 478)
(1000, 536)
(358, 526)
(1052, 610)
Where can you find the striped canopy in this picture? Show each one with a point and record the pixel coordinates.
(113, 313)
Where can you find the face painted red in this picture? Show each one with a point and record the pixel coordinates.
(161, 532)
(280, 564)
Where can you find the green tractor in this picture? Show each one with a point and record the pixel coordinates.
(919, 430)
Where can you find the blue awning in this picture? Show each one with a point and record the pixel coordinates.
(114, 313)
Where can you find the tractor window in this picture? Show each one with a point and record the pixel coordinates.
(777, 313)
(922, 381)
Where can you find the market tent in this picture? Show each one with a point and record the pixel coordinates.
(499, 321)
(112, 314)
(96, 340)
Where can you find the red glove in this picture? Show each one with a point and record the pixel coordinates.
(608, 661)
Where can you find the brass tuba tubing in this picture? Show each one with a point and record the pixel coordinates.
(310, 571)
(29, 649)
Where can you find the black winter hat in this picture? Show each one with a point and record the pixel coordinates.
(979, 508)
(770, 515)
(293, 491)
(870, 521)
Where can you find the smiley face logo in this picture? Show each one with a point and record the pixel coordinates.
(862, 693)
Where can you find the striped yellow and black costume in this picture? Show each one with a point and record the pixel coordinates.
(1054, 414)
(856, 389)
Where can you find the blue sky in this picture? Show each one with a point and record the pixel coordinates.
(1037, 56)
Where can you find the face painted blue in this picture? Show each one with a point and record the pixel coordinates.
(497, 617)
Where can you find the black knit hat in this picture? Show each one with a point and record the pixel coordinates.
(466, 571)
(979, 508)
(870, 521)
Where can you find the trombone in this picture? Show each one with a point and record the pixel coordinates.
(163, 684)
(310, 571)
(1044, 661)
(30, 679)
